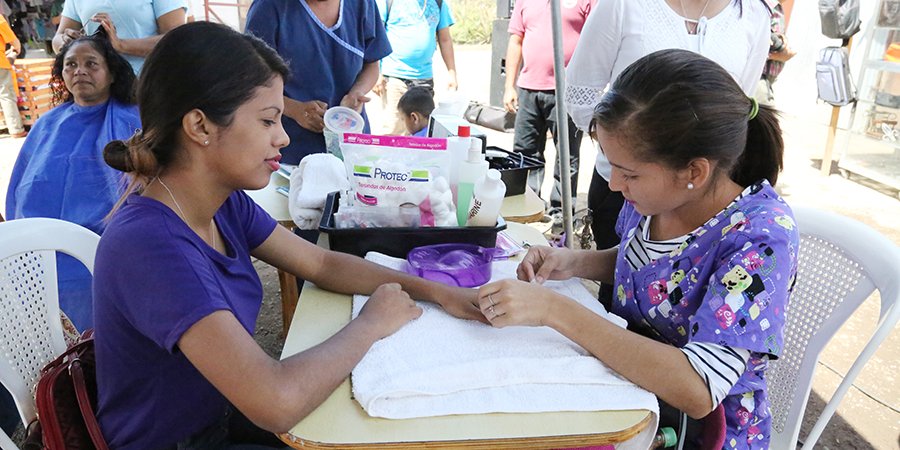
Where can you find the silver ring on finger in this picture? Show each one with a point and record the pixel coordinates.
(491, 299)
(491, 309)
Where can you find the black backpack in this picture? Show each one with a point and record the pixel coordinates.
(840, 18)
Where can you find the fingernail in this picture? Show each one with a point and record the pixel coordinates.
(540, 280)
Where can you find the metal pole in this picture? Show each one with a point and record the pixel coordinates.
(562, 120)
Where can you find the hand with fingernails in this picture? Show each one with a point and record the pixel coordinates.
(388, 309)
(312, 115)
(514, 302)
(462, 303)
(105, 21)
(547, 263)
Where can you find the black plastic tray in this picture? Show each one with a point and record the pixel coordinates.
(513, 169)
(397, 242)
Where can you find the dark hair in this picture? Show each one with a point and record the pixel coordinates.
(673, 106)
(200, 65)
(122, 88)
(416, 99)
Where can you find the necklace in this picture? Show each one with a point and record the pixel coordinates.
(212, 235)
(691, 24)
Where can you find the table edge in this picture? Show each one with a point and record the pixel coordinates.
(532, 442)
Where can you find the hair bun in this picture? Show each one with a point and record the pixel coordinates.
(117, 155)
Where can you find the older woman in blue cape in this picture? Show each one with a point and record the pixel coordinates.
(60, 172)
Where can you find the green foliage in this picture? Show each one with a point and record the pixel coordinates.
(473, 21)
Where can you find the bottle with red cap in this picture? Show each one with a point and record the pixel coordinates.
(458, 146)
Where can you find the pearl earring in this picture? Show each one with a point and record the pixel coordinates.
(690, 186)
(206, 142)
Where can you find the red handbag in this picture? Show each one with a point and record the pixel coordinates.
(66, 398)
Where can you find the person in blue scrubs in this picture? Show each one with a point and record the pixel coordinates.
(333, 48)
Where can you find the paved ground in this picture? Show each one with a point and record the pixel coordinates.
(869, 416)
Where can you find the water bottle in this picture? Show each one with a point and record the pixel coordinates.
(665, 438)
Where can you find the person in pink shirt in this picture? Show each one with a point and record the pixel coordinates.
(531, 92)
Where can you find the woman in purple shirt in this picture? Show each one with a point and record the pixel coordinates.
(708, 250)
(176, 294)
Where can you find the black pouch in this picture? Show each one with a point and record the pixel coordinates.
(490, 117)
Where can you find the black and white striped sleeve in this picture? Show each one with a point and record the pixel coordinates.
(719, 366)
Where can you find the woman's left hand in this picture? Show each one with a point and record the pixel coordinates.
(513, 302)
(354, 100)
(106, 22)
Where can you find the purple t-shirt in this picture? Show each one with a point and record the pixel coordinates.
(531, 20)
(154, 278)
(728, 284)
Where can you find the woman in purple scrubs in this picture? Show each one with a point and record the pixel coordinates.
(708, 250)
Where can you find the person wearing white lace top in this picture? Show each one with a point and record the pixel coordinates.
(733, 33)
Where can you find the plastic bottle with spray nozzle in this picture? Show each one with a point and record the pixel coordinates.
(471, 172)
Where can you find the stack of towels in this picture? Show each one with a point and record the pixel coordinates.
(311, 182)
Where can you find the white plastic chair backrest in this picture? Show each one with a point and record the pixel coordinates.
(841, 262)
(30, 331)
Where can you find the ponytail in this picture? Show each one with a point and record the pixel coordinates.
(135, 158)
(764, 152)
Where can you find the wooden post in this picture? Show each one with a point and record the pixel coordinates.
(829, 144)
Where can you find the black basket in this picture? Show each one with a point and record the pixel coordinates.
(513, 169)
(398, 241)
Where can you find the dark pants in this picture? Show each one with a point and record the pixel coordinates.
(233, 432)
(605, 206)
(427, 83)
(9, 414)
(536, 115)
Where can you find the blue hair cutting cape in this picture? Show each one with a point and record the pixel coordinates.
(60, 173)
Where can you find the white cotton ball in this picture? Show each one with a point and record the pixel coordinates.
(441, 184)
(439, 209)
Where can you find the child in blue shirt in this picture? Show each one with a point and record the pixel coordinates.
(415, 108)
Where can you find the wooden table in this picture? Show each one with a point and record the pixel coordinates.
(341, 423)
(523, 208)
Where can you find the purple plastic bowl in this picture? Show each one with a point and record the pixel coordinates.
(463, 265)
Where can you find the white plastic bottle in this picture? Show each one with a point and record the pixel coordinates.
(487, 200)
(471, 172)
(458, 146)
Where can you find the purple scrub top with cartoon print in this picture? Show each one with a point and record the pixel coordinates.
(728, 284)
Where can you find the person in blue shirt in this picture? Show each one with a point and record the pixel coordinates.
(332, 48)
(415, 107)
(415, 28)
(133, 27)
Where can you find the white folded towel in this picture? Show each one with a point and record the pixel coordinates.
(439, 365)
(312, 180)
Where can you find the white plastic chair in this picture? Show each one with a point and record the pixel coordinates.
(842, 262)
(31, 334)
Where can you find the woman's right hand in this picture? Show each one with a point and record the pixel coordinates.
(388, 309)
(547, 263)
(69, 35)
(311, 115)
